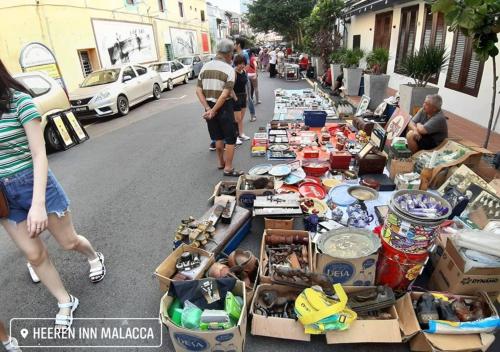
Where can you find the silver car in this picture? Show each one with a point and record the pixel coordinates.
(194, 63)
(114, 90)
(171, 73)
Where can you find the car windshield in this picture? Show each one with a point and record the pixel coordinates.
(101, 77)
(161, 67)
(186, 60)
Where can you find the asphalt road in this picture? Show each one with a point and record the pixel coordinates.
(130, 185)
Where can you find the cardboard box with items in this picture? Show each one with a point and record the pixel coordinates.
(206, 315)
(249, 187)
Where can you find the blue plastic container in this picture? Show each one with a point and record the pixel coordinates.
(315, 118)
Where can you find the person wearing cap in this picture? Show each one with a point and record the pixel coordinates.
(214, 87)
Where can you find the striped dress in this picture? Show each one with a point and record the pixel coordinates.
(15, 154)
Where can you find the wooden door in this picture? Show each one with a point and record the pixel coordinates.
(383, 29)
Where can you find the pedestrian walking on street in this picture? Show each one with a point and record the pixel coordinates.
(240, 97)
(239, 47)
(35, 198)
(253, 75)
(10, 344)
(214, 87)
(264, 60)
(272, 63)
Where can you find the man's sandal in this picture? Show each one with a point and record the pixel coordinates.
(97, 274)
(67, 320)
(233, 173)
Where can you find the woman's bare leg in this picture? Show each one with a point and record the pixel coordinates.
(242, 118)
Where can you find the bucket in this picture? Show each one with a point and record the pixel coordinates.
(408, 233)
(398, 269)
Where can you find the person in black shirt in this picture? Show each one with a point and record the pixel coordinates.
(240, 96)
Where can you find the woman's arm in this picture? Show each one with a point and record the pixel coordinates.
(37, 216)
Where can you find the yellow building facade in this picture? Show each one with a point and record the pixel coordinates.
(86, 35)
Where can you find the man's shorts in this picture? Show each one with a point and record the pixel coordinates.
(426, 143)
(222, 125)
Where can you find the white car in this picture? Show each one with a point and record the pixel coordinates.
(49, 98)
(171, 73)
(114, 90)
(194, 63)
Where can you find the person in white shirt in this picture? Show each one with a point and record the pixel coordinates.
(272, 63)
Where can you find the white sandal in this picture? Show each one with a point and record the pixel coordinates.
(97, 274)
(67, 320)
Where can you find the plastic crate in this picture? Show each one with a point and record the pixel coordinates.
(315, 118)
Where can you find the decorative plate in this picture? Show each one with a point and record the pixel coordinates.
(278, 147)
(348, 243)
(340, 196)
(362, 193)
(280, 170)
(261, 169)
(312, 190)
(319, 205)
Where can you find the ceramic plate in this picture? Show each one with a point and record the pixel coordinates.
(319, 205)
(280, 170)
(295, 177)
(362, 193)
(278, 147)
(260, 169)
(339, 195)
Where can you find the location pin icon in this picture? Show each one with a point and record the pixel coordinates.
(24, 333)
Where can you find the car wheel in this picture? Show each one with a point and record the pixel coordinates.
(170, 84)
(186, 79)
(122, 104)
(51, 139)
(156, 91)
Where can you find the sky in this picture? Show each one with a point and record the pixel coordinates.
(231, 5)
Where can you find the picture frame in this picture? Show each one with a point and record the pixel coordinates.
(396, 125)
(75, 128)
(363, 105)
(462, 179)
(378, 136)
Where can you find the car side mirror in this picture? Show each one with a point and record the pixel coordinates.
(127, 78)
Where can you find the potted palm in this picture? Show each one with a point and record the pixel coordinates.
(421, 66)
(352, 73)
(376, 83)
(336, 63)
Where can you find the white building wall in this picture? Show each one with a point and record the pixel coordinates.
(476, 109)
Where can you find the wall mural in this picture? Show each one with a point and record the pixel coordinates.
(124, 42)
(184, 42)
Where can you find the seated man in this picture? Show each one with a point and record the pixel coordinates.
(428, 128)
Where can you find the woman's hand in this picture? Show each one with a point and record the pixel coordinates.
(37, 220)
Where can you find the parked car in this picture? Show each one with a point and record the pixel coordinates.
(207, 58)
(114, 90)
(171, 73)
(194, 63)
(49, 98)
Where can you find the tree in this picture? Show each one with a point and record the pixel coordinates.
(480, 20)
(283, 17)
(322, 37)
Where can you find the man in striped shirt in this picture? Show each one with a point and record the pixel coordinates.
(215, 84)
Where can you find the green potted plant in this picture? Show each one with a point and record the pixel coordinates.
(352, 73)
(336, 63)
(421, 66)
(376, 83)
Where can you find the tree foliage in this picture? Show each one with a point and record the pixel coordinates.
(284, 17)
(322, 37)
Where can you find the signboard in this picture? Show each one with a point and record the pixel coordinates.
(62, 133)
(38, 57)
(75, 128)
(204, 42)
(121, 42)
(184, 42)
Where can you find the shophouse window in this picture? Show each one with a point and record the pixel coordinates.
(407, 34)
(464, 68)
(169, 51)
(356, 41)
(434, 32)
(202, 15)
(85, 62)
(161, 6)
(130, 2)
(181, 9)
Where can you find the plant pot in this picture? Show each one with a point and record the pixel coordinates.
(376, 89)
(336, 71)
(352, 80)
(318, 63)
(412, 98)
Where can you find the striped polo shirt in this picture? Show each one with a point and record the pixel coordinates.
(15, 154)
(214, 77)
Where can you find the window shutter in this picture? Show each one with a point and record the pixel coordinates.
(473, 72)
(457, 58)
(440, 31)
(407, 33)
(427, 35)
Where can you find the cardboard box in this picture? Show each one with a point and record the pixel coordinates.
(166, 270)
(349, 272)
(185, 340)
(423, 342)
(279, 224)
(280, 328)
(264, 260)
(449, 275)
(368, 331)
(255, 192)
(217, 197)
